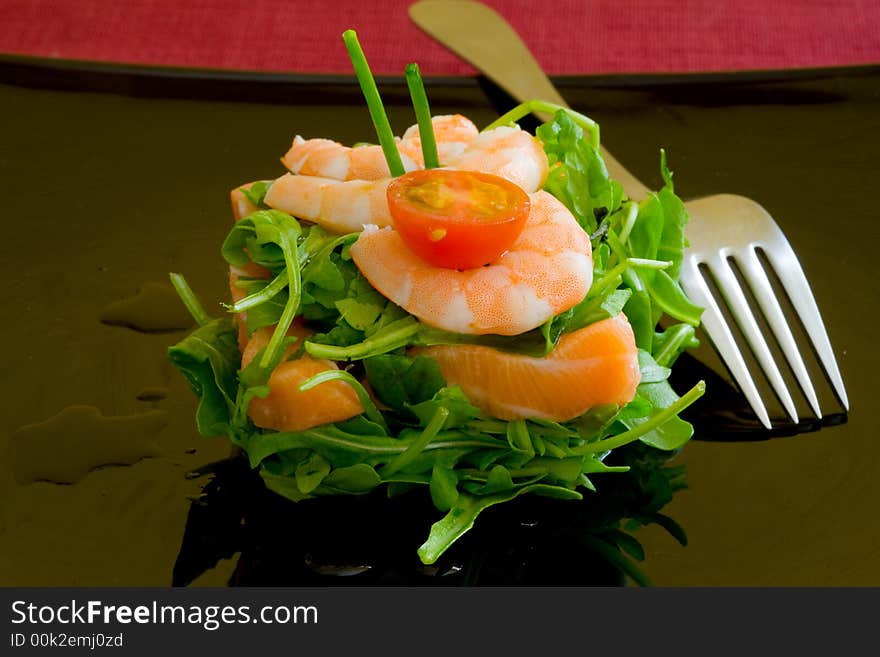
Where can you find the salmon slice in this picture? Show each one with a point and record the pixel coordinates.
(285, 408)
(595, 365)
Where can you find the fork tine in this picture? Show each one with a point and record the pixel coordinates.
(758, 282)
(733, 294)
(716, 327)
(791, 275)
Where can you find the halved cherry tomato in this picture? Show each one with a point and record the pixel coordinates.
(457, 219)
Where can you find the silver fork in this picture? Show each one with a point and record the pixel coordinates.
(721, 227)
(729, 226)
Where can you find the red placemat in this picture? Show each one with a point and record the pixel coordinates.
(567, 36)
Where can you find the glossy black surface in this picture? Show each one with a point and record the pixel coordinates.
(113, 177)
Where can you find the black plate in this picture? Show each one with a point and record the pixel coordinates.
(113, 176)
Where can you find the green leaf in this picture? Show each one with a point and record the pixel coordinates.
(451, 398)
(650, 370)
(499, 480)
(675, 218)
(360, 314)
(518, 437)
(669, 296)
(257, 192)
(462, 515)
(354, 479)
(673, 528)
(443, 487)
(647, 232)
(311, 472)
(283, 485)
(399, 380)
(669, 344)
(261, 238)
(209, 359)
(656, 396)
(640, 314)
(673, 433)
(578, 176)
(626, 543)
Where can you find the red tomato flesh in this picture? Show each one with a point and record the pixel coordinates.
(457, 219)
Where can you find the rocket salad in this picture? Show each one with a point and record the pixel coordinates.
(302, 296)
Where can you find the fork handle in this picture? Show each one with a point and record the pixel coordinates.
(480, 35)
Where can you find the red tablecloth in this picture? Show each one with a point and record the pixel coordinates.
(567, 36)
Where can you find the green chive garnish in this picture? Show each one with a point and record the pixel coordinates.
(423, 115)
(374, 103)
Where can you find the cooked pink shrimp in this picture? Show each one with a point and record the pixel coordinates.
(326, 158)
(337, 205)
(344, 205)
(330, 159)
(548, 270)
(452, 132)
(508, 152)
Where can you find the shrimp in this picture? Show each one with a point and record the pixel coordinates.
(452, 132)
(349, 205)
(339, 206)
(508, 152)
(326, 158)
(548, 270)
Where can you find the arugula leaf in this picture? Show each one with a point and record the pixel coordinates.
(673, 433)
(354, 479)
(464, 512)
(582, 183)
(311, 472)
(209, 358)
(443, 486)
(458, 408)
(256, 193)
(669, 344)
(399, 381)
(669, 296)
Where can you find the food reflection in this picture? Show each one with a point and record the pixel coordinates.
(367, 540)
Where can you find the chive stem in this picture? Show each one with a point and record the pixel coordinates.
(190, 301)
(423, 116)
(374, 103)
